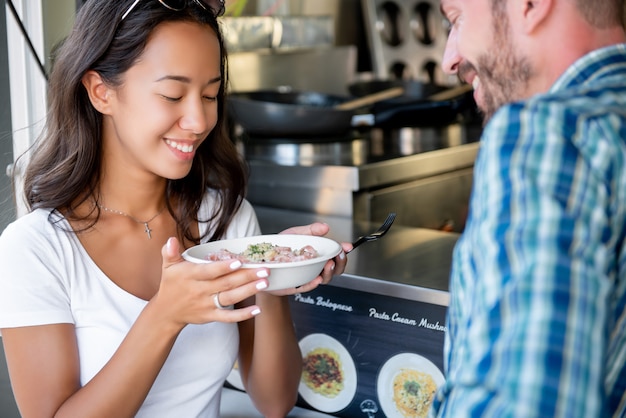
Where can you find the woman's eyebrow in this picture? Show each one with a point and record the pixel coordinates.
(215, 80)
(185, 79)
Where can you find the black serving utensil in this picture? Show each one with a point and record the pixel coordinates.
(377, 234)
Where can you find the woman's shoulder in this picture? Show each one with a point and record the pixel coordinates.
(42, 230)
(211, 200)
(243, 223)
(37, 222)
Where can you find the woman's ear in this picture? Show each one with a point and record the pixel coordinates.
(99, 93)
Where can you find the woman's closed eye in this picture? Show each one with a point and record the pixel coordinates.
(179, 98)
(171, 99)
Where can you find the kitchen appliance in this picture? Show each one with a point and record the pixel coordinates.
(419, 164)
(422, 174)
(407, 39)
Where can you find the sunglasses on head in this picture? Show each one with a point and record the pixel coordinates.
(214, 6)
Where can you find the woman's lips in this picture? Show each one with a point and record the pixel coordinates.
(180, 146)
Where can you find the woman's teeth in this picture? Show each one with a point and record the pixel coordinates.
(179, 147)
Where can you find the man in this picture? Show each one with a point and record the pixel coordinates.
(537, 315)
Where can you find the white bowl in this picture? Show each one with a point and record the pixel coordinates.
(282, 275)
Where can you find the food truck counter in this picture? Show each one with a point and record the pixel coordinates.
(382, 319)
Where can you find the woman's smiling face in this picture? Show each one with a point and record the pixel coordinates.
(167, 103)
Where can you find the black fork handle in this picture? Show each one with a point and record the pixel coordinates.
(363, 239)
(356, 243)
(376, 235)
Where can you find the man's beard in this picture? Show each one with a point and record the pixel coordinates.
(503, 75)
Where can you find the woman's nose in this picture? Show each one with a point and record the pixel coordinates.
(198, 117)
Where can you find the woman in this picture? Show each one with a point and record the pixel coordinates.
(100, 315)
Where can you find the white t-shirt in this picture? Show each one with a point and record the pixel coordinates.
(47, 277)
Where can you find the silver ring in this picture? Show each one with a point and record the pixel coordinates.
(216, 301)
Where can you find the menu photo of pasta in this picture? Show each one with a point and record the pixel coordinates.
(406, 385)
(329, 378)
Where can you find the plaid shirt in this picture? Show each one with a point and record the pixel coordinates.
(537, 314)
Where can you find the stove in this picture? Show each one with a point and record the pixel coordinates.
(366, 174)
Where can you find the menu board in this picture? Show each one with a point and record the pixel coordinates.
(381, 356)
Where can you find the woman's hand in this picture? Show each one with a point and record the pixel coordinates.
(334, 266)
(192, 293)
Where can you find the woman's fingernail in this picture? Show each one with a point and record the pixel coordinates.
(332, 266)
(256, 312)
(342, 255)
(262, 274)
(235, 264)
(261, 285)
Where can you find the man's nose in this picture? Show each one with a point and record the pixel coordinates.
(451, 57)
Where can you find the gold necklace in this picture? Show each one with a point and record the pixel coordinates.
(147, 229)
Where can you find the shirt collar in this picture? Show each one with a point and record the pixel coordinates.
(594, 65)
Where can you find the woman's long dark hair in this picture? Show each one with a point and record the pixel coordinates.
(64, 170)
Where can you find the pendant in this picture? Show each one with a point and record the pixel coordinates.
(147, 230)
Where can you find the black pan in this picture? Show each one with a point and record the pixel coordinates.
(296, 114)
(279, 114)
(412, 88)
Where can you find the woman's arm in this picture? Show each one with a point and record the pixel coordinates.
(269, 355)
(44, 369)
(43, 360)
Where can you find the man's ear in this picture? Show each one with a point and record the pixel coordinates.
(99, 93)
(534, 13)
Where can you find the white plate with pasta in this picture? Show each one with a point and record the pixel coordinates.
(406, 385)
(329, 378)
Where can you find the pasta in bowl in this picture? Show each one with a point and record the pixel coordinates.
(293, 260)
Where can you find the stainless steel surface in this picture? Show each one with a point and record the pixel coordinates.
(248, 33)
(346, 16)
(365, 178)
(278, 32)
(355, 164)
(304, 32)
(436, 202)
(420, 258)
(335, 69)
